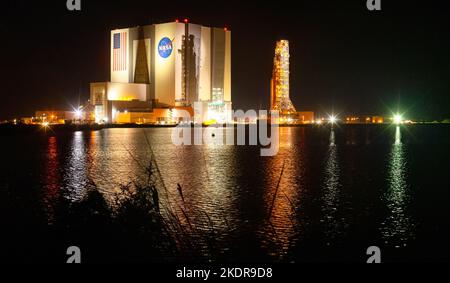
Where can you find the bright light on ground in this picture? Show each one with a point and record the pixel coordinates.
(78, 114)
(332, 119)
(398, 119)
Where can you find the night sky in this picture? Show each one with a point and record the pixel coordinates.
(343, 57)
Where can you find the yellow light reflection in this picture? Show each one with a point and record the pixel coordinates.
(284, 183)
(286, 137)
(209, 189)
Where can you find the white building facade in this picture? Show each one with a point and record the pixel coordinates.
(169, 65)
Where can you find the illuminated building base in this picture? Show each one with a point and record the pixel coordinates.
(218, 112)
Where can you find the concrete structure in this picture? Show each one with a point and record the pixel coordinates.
(305, 117)
(165, 66)
(364, 120)
(109, 99)
(56, 116)
(173, 115)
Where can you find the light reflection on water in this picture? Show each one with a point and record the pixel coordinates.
(207, 175)
(51, 180)
(331, 192)
(284, 186)
(241, 192)
(76, 176)
(397, 229)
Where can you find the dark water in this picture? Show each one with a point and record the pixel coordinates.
(327, 195)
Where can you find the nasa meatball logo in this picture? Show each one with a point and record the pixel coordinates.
(165, 47)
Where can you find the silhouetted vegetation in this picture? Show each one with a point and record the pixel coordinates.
(134, 226)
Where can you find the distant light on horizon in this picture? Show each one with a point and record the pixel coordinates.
(78, 113)
(398, 119)
(332, 119)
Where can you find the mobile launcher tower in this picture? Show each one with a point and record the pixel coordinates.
(280, 100)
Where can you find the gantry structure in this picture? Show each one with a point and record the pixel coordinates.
(280, 100)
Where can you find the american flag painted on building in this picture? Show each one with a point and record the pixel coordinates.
(120, 51)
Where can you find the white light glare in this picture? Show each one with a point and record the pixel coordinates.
(398, 119)
(333, 119)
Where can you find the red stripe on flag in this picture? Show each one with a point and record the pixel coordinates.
(125, 51)
(120, 54)
(122, 59)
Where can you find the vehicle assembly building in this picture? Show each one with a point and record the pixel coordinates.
(172, 66)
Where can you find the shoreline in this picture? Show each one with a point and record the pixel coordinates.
(38, 129)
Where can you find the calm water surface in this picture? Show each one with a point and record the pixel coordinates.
(329, 194)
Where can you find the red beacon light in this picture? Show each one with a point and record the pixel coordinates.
(225, 29)
(177, 21)
(186, 21)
